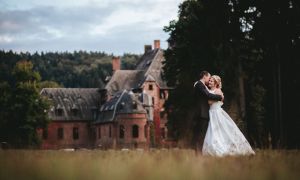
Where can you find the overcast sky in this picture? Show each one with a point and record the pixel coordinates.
(113, 26)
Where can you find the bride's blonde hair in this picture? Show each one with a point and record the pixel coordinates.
(217, 80)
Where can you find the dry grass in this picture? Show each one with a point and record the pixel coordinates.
(156, 164)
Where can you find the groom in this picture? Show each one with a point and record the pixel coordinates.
(202, 107)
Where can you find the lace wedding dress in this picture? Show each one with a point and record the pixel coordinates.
(223, 137)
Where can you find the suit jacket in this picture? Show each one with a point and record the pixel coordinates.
(202, 96)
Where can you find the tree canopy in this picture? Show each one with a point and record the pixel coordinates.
(246, 43)
(22, 110)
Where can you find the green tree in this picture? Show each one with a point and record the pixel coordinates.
(49, 84)
(26, 110)
(254, 46)
(276, 34)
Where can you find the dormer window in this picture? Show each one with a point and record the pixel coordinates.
(94, 113)
(134, 105)
(74, 112)
(58, 111)
(121, 106)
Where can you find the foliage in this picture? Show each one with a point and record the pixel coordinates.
(246, 43)
(49, 84)
(23, 110)
(77, 69)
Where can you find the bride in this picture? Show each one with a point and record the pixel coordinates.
(223, 137)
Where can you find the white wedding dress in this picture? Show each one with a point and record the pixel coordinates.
(223, 137)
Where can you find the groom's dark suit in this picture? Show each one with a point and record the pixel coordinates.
(202, 96)
(201, 117)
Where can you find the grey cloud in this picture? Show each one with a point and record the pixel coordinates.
(51, 28)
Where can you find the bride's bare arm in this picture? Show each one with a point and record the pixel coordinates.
(219, 92)
(210, 102)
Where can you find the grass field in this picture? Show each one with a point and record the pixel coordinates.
(154, 164)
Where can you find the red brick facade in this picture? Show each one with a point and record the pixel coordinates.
(160, 118)
(68, 137)
(109, 135)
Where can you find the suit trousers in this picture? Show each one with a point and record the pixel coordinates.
(199, 132)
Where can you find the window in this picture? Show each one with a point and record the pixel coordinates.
(153, 101)
(99, 132)
(150, 87)
(75, 133)
(45, 133)
(162, 114)
(162, 94)
(94, 113)
(59, 112)
(134, 105)
(121, 132)
(74, 112)
(162, 133)
(109, 131)
(135, 131)
(145, 131)
(60, 133)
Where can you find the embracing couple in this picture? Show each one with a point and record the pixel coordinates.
(222, 137)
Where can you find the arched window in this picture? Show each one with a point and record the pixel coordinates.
(135, 131)
(121, 132)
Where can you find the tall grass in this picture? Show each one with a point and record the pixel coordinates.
(156, 164)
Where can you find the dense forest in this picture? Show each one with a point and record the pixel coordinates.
(76, 69)
(254, 46)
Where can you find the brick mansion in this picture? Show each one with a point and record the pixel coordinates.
(127, 113)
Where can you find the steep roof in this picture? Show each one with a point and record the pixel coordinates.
(156, 69)
(149, 68)
(84, 101)
(123, 102)
(124, 79)
(146, 60)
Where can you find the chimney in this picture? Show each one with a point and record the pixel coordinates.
(116, 63)
(148, 48)
(156, 44)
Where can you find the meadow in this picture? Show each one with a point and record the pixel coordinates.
(154, 164)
